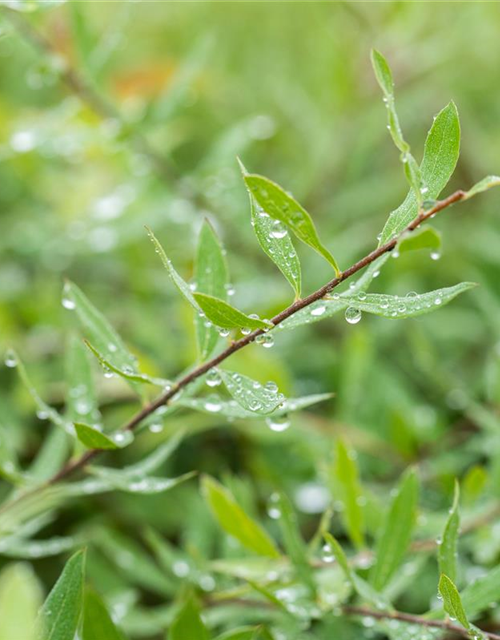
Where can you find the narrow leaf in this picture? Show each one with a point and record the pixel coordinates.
(61, 613)
(439, 161)
(409, 306)
(348, 491)
(146, 486)
(422, 238)
(482, 185)
(396, 532)
(81, 403)
(479, 594)
(452, 602)
(211, 275)
(250, 394)
(319, 310)
(92, 438)
(97, 622)
(20, 599)
(447, 552)
(188, 624)
(224, 315)
(31, 549)
(235, 521)
(273, 200)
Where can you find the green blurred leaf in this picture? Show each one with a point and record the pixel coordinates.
(243, 633)
(224, 315)
(146, 486)
(212, 277)
(275, 242)
(422, 238)
(92, 438)
(452, 602)
(347, 490)
(447, 551)
(188, 624)
(97, 329)
(273, 200)
(250, 394)
(20, 599)
(81, 400)
(482, 185)
(440, 158)
(480, 593)
(409, 306)
(235, 521)
(33, 549)
(396, 532)
(62, 610)
(97, 623)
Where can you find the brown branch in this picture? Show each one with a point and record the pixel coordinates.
(85, 91)
(235, 346)
(413, 619)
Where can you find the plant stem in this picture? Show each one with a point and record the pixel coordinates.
(135, 421)
(413, 619)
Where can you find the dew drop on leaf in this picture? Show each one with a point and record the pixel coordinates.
(10, 359)
(212, 404)
(213, 378)
(352, 315)
(278, 423)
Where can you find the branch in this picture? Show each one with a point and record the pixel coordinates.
(86, 92)
(237, 345)
(413, 619)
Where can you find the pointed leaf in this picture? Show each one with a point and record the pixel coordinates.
(396, 532)
(319, 310)
(224, 315)
(92, 438)
(440, 158)
(235, 521)
(97, 622)
(452, 602)
(250, 394)
(447, 551)
(181, 285)
(272, 199)
(20, 599)
(61, 613)
(147, 485)
(348, 491)
(482, 185)
(396, 308)
(211, 275)
(188, 624)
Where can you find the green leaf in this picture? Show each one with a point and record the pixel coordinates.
(20, 599)
(181, 285)
(440, 158)
(348, 491)
(224, 315)
(273, 200)
(62, 610)
(452, 602)
(211, 276)
(232, 409)
(146, 486)
(479, 594)
(384, 78)
(319, 310)
(371, 272)
(97, 329)
(92, 438)
(33, 549)
(422, 238)
(447, 551)
(97, 622)
(127, 373)
(188, 624)
(235, 521)
(242, 633)
(250, 394)
(81, 402)
(409, 306)
(275, 242)
(482, 185)
(396, 532)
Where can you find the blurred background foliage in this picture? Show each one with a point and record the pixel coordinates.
(288, 87)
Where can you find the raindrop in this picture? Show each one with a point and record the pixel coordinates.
(223, 332)
(318, 311)
(156, 427)
(273, 510)
(437, 300)
(213, 378)
(66, 301)
(42, 414)
(271, 386)
(278, 423)
(213, 404)
(230, 290)
(376, 273)
(412, 294)
(361, 296)
(246, 331)
(352, 315)
(327, 554)
(267, 341)
(10, 359)
(435, 255)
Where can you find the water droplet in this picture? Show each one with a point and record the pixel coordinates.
(437, 300)
(156, 427)
(278, 423)
(412, 294)
(213, 378)
(230, 290)
(352, 315)
(213, 404)
(112, 347)
(245, 331)
(273, 510)
(223, 332)
(424, 190)
(267, 341)
(361, 296)
(42, 414)
(180, 568)
(395, 253)
(67, 301)
(119, 438)
(327, 554)
(271, 386)
(435, 255)
(279, 230)
(10, 359)
(376, 273)
(318, 311)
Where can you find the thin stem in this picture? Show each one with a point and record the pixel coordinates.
(413, 619)
(237, 345)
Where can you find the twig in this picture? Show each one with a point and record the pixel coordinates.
(235, 346)
(413, 619)
(83, 89)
